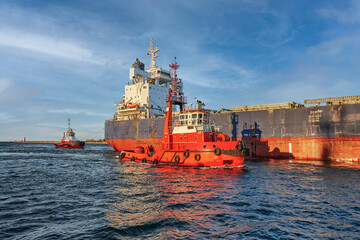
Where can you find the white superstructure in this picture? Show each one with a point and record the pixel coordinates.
(69, 136)
(145, 93)
(195, 120)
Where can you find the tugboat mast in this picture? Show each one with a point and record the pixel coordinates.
(174, 66)
(173, 98)
(69, 128)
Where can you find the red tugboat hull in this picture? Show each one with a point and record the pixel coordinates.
(196, 158)
(70, 145)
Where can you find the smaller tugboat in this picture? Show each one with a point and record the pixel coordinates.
(69, 140)
(191, 140)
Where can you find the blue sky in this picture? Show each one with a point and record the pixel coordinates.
(61, 59)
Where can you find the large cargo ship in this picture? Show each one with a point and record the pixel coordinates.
(319, 129)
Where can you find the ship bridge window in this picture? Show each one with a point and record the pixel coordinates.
(182, 117)
(205, 119)
(200, 115)
(194, 115)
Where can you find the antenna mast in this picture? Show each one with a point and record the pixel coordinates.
(69, 128)
(176, 81)
(153, 52)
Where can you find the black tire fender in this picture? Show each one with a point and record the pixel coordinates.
(186, 153)
(239, 147)
(217, 151)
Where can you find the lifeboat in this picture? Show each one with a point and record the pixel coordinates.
(191, 140)
(69, 140)
(132, 105)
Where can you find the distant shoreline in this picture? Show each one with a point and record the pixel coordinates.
(87, 142)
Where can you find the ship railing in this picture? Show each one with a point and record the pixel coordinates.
(180, 98)
(333, 100)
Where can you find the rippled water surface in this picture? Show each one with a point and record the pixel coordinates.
(49, 193)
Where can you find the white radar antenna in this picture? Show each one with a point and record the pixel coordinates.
(153, 53)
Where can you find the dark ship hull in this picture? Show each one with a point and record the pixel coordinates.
(314, 133)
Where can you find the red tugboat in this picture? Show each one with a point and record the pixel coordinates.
(190, 141)
(69, 140)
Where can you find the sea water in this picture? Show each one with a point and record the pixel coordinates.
(48, 193)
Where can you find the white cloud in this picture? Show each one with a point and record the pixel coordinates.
(10, 92)
(341, 47)
(6, 117)
(78, 111)
(215, 72)
(4, 85)
(349, 15)
(47, 45)
(307, 89)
